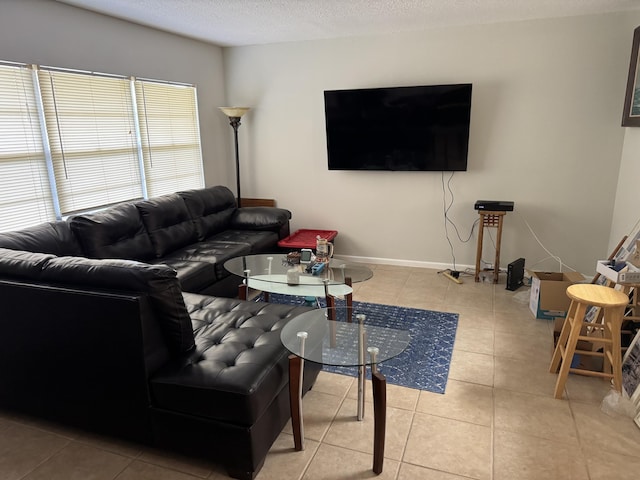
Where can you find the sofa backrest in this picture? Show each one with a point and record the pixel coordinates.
(49, 237)
(159, 282)
(117, 232)
(210, 208)
(168, 223)
(148, 229)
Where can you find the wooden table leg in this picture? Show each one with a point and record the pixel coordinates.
(243, 289)
(349, 298)
(295, 400)
(331, 306)
(379, 419)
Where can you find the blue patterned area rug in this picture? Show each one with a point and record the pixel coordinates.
(424, 364)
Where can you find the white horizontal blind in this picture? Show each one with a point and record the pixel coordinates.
(25, 198)
(170, 135)
(91, 131)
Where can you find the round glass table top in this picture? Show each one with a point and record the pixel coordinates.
(274, 267)
(312, 336)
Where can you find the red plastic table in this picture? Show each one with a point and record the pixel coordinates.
(306, 238)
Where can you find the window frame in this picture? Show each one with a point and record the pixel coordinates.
(144, 181)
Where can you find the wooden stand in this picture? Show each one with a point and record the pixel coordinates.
(258, 202)
(489, 219)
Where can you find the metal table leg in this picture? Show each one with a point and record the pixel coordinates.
(360, 318)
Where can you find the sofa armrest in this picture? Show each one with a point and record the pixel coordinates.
(68, 354)
(261, 218)
(158, 281)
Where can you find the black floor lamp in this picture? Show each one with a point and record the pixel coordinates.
(234, 114)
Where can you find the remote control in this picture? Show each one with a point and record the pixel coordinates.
(317, 268)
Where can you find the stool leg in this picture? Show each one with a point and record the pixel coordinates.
(479, 248)
(569, 348)
(496, 264)
(607, 358)
(613, 361)
(562, 339)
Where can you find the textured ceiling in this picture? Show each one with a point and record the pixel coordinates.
(249, 22)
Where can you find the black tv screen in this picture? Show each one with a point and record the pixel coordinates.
(419, 128)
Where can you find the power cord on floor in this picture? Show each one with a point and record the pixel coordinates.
(452, 274)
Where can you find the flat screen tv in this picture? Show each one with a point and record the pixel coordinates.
(418, 128)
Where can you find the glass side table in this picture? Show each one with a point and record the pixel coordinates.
(270, 273)
(339, 336)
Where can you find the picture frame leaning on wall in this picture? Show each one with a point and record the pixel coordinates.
(631, 372)
(631, 110)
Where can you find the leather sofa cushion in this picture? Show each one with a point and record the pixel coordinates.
(194, 276)
(260, 218)
(212, 252)
(254, 241)
(168, 223)
(49, 237)
(23, 265)
(238, 366)
(211, 209)
(114, 233)
(158, 281)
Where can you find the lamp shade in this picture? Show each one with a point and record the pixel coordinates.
(234, 111)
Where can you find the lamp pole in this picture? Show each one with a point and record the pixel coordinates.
(234, 114)
(235, 123)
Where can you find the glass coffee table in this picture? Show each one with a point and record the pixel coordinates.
(339, 336)
(272, 273)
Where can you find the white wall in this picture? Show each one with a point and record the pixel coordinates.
(50, 33)
(626, 214)
(545, 125)
(545, 133)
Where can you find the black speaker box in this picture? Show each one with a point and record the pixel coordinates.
(515, 274)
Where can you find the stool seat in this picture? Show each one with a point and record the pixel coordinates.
(597, 295)
(612, 304)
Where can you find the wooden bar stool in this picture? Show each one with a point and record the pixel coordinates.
(612, 303)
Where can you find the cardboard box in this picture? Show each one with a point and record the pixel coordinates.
(627, 274)
(548, 299)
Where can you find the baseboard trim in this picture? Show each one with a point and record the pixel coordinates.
(404, 263)
(418, 264)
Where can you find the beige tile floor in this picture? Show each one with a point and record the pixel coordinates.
(497, 420)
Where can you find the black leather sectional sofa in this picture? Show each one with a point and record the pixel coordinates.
(107, 323)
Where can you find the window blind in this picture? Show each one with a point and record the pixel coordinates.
(170, 136)
(74, 141)
(91, 132)
(25, 196)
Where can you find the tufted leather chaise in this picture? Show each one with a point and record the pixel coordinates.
(118, 346)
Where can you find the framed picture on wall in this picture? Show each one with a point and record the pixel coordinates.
(631, 113)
